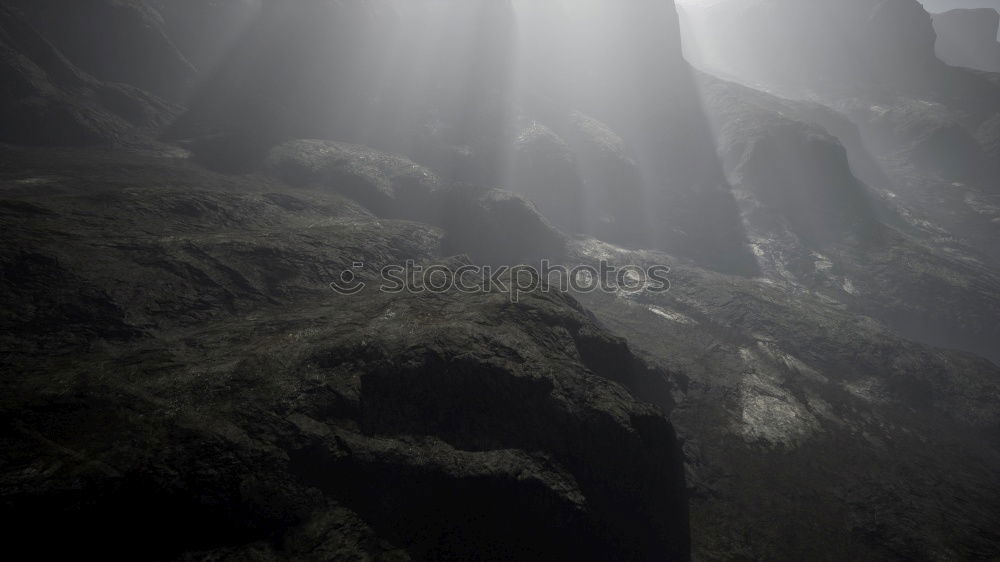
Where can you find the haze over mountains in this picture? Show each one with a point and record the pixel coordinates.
(183, 181)
(969, 38)
(938, 6)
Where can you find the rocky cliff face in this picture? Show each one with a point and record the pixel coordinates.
(969, 38)
(813, 223)
(114, 40)
(924, 124)
(800, 173)
(47, 100)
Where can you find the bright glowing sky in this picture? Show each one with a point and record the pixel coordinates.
(931, 5)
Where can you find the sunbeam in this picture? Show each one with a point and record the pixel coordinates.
(500, 280)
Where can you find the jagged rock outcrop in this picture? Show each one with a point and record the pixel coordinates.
(969, 38)
(814, 224)
(46, 100)
(798, 173)
(224, 403)
(490, 225)
(639, 84)
(115, 41)
(873, 49)
(924, 124)
(390, 186)
(899, 33)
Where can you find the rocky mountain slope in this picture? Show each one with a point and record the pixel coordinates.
(815, 226)
(172, 346)
(181, 381)
(922, 142)
(807, 427)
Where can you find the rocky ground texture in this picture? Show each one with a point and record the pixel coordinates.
(181, 381)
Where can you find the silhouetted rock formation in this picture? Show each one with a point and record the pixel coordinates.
(939, 6)
(969, 38)
(115, 41)
(793, 173)
(928, 126)
(47, 100)
(631, 76)
(835, 44)
(799, 195)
